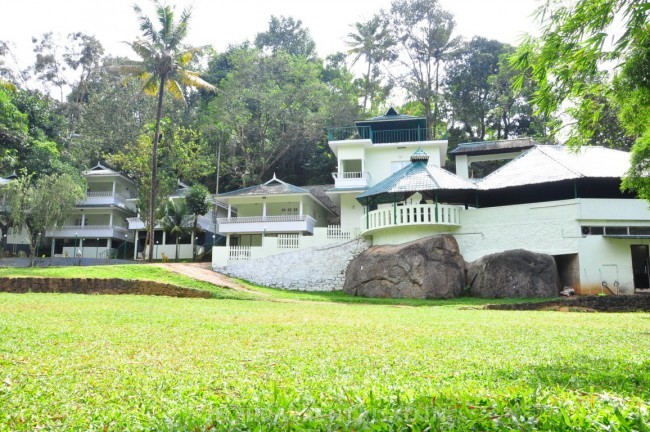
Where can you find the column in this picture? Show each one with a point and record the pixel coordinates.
(264, 210)
(110, 219)
(301, 208)
(113, 188)
(52, 252)
(229, 210)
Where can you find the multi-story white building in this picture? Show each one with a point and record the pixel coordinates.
(390, 188)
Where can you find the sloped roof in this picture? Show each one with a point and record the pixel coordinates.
(486, 147)
(390, 115)
(544, 164)
(418, 176)
(319, 192)
(274, 186)
(100, 170)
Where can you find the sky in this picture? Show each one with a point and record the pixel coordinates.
(221, 23)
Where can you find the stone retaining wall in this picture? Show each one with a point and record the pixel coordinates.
(623, 303)
(316, 269)
(96, 286)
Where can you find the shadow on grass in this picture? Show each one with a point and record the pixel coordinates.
(341, 297)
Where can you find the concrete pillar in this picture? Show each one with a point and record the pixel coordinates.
(52, 252)
(83, 219)
(227, 240)
(110, 219)
(462, 166)
(229, 210)
(301, 207)
(264, 210)
(113, 187)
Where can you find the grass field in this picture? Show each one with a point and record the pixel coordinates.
(75, 362)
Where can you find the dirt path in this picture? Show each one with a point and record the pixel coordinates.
(204, 272)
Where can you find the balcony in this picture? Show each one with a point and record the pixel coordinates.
(267, 224)
(90, 231)
(378, 136)
(105, 198)
(411, 215)
(351, 180)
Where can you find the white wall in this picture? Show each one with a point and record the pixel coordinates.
(313, 269)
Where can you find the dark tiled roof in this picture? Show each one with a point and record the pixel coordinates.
(391, 114)
(500, 146)
(319, 192)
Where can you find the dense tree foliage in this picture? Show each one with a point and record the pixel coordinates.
(591, 60)
(42, 204)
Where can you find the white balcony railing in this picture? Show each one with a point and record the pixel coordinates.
(239, 253)
(104, 197)
(409, 215)
(90, 231)
(351, 179)
(267, 224)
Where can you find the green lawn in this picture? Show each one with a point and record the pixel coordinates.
(75, 362)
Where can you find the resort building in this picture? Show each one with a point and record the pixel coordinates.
(391, 188)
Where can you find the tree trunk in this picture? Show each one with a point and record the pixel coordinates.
(154, 168)
(435, 101)
(196, 220)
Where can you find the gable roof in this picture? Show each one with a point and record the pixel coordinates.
(100, 170)
(390, 115)
(275, 186)
(544, 164)
(418, 176)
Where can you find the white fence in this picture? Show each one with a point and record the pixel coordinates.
(239, 253)
(288, 241)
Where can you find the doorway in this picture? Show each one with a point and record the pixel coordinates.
(640, 266)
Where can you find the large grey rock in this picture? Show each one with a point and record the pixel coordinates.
(514, 273)
(427, 268)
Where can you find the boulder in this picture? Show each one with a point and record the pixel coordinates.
(426, 268)
(513, 273)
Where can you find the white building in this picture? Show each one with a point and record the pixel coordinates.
(390, 188)
(97, 228)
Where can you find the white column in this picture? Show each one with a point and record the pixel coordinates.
(300, 206)
(113, 187)
(462, 166)
(135, 248)
(227, 240)
(83, 219)
(229, 210)
(52, 252)
(264, 210)
(110, 219)
(164, 239)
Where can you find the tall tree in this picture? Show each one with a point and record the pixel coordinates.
(424, 32)
(175, 220)
(571, 63)
(163, 67)
(41, 205)
(197, 201)
(468, 84)
(373, 41)
(288, 35)
(269, 106)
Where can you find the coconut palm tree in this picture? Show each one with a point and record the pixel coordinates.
(163, 67)
(175, 221)
(373, 41)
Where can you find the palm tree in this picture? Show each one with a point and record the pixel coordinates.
(163, 67)
(373, 41)
(175, 220)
